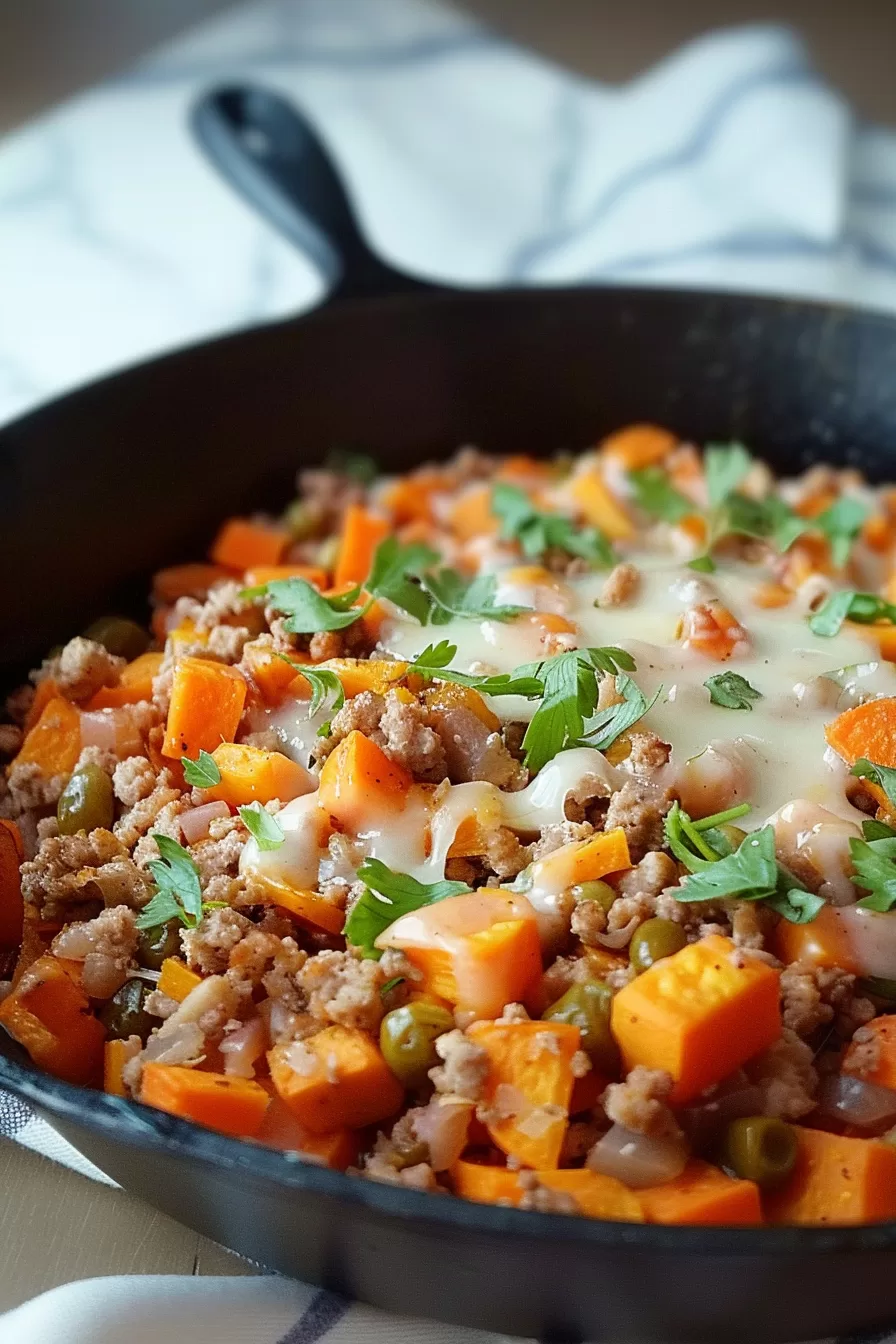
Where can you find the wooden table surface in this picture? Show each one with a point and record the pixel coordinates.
(59, 1226)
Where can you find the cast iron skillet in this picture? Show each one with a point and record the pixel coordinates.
(101, 487)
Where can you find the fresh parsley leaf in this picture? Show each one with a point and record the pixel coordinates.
(386, 896)
(749, 873)
(358, 466)
(308, 612)
(792, 901)
(657, 496)
(841, 524)
(433, 665)
(875, 870)
(829, 617)
(725, 467)
(179, 895)
(391, 984)
(872, 829)
(395, 566)
(265, 829)
(847, 604)
(470, 599)
(326, 688)
(616, 719)
(704, 564)
(538, 532)
(731, 690)
(570, 699)
(203, 773)
(881, 775)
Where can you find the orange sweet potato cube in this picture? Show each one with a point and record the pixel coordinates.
(335, 1079)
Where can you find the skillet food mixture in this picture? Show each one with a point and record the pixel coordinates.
(523, 830)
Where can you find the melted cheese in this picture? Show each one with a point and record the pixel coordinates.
(778, 746)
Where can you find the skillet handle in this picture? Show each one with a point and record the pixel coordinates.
(264, 148)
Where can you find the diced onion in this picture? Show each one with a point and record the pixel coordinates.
(855, 1102)
(442, 1126)
(110, 730)
(183, 1044)
(242, 1047)
(638, 1160)
(619, 937)
(872, 937)
(196, 821)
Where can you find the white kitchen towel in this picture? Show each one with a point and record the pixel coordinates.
(728, 164)
(131, 1310)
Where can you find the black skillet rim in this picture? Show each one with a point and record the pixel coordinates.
(131, 1124)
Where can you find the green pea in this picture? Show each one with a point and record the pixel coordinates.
(123, 638)
(761, 1149)
(87, 802)
(655, 939)
(601, 892)
(155, 945)
(587, 1006)
(407, 1039)
(124, 1015)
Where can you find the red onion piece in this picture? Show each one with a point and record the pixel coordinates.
(852, 1101)
(110, 730)
(702, 1123)
(636, 1159)
(242, 1047)
(442, 1126)
(196, 821)
(872, 937)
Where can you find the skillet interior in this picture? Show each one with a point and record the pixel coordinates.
(100, 488)
(133, 472)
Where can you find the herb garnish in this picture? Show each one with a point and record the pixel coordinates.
(538, 532)
(433, 665)
(203, 773)
(731, 690)
(656, 495)
(751, 872)
(847, 604)
(875, 870)
(570, 699)
(264, 829)
(386, 896)
(472, 599)
(179, 895)
(881, 775)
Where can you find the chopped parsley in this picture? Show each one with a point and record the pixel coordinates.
(751, 872)
(203, 773)
(847, 604)
(178, 894)
(657, 496)
(570, 700)
(538, 532)
(875, 870)
(472, 599)
(307, 610)
(731, 690)
(387, 895)
(395, 566)
(265, 830)
(433, 665)
(841, 524)
(881, 775)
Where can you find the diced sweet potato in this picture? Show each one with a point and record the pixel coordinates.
(231, 1105)
(359, 781)
(50, 1016)
(135, 684)
(249, 774)
(362, 532)
(335, 1079)
(867, 730)
(884, 1072)
(639, 446)
(528, 1087)
(582, 861)
(54, 743)
(478, 951)
(699, 1014)
(836, 1181)
(599, 507)
(206, 703)
(597, 1196)
(12, 907)
(338, 1148)
(241, 543)
(177, 980)
(260, 574)
(704, 1195)
(308, 907)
